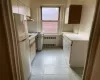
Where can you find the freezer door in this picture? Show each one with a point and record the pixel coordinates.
(25, 58)
(21, 26)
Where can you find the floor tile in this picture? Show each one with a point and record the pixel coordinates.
(36, 71)
(53, 64)
(60, 77)
(56, 70)
(36, 77)
(48, 77)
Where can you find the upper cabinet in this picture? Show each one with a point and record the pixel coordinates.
(27, 10)
(19, 7)
(73, 14)
(26, 2)
(23, 9)
(14, 6)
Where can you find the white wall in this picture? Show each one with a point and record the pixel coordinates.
(36, 14)
(86, 20)
(72, 27)
(88, 12)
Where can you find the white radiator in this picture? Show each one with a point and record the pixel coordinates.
(51, 40)
(49, 45)
(49, 37)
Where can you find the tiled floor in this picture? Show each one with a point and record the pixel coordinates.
(50, 64)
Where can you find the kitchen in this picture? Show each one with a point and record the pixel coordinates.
(72, 35)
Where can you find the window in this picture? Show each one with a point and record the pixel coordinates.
(50, 18)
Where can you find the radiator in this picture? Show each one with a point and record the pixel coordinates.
(49, 41)
(49, 37)
(49, 45)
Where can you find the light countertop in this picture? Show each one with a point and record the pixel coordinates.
(74, 36)
(32, 35)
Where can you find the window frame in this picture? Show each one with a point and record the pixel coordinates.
(51, 20)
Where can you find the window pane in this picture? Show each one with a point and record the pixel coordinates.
(50, 13)
(50, 27)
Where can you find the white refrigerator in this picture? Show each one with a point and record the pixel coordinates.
(21, 26)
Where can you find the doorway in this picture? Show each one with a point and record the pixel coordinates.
(52, 63)
(57, 63)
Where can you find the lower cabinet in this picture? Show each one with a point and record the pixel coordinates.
(32, 50)
(75, 51)
(67, 47)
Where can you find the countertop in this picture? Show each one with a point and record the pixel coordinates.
(74, 36)
(32, 35)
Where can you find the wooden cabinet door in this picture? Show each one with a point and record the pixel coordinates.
(14, 6)
(75, 14)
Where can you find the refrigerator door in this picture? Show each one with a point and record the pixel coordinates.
(21, 26)
(25, 58)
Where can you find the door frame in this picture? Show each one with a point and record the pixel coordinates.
(10, 68)
(13, 48)
(93, 44)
